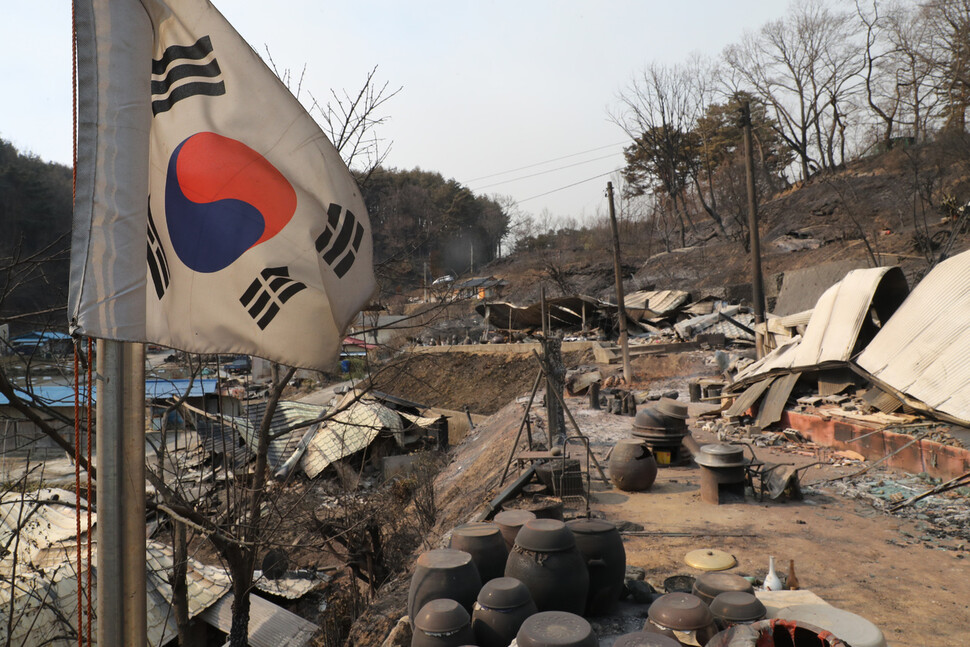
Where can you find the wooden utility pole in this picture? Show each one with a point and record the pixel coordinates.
(757, 283)
(620, 306)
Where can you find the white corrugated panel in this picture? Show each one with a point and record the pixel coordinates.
(923, 351)
(833, 329)
(351, 429)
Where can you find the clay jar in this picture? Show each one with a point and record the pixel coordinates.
(633, 467)
(443, 573)
(509, 522)
(484, 542)
(503, 605)
(556, 629)
(602, 547)
(681, 616)
(442, 623)
(546, 560)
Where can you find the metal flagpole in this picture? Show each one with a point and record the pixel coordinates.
(122, 605)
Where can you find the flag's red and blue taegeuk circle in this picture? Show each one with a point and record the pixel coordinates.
(221, 199)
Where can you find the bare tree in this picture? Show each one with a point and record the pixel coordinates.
(949, 22)
(803, 66)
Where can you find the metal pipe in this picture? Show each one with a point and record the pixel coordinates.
(121, 600)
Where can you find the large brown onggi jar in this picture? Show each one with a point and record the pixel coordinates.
(546, 560)
(442, 623)
(484, 542)
(502, 606)
(602, 547)
(443, 573)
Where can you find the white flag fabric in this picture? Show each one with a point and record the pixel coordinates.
(257, 238)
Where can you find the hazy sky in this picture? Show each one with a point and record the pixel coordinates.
(488, 86)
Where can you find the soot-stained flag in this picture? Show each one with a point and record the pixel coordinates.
(258, 241)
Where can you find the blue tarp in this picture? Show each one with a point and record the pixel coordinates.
(60, 395)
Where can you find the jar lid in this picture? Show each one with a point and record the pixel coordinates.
(441, 616)
(444, 558)
(590, 526)
(504, 593)
(738, 606)
(710, 559)
(555, 629)
(514, 518)
(680, 611)
(476, 529)
(712, 584)
(545, 535)
(721, 455)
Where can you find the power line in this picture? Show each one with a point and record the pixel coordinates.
(589, 179)
(556, 159)
(552, 170)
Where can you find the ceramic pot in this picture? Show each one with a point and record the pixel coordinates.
(509, 523)
(442, 623)
(484, 542)
(546, 560)
(633, 467)
(681, 616)
(502, 606)
(443, 573)
(602, 547)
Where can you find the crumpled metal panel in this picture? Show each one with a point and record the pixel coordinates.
(286, 415)
(835, 324)
(353, 427)
(922, 354)
(292, 586)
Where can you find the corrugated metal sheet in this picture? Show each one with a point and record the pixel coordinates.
(834, 328)
(352, 428)
(659, 302)
(774, 403)
(747, 399)
(714, 323)
(287, 414)
(922, 354)
(270, 625)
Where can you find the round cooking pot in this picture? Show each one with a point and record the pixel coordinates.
(633, 467)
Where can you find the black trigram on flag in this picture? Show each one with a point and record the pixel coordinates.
(271, 289)
(195, 71)
(157, 263)
(340, 252)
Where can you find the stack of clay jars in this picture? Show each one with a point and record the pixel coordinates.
(662, 426)
(730, 597)
(476, 588)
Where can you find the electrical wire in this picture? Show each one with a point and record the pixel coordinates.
(552, 170)
(589, 179)
(555, 159)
